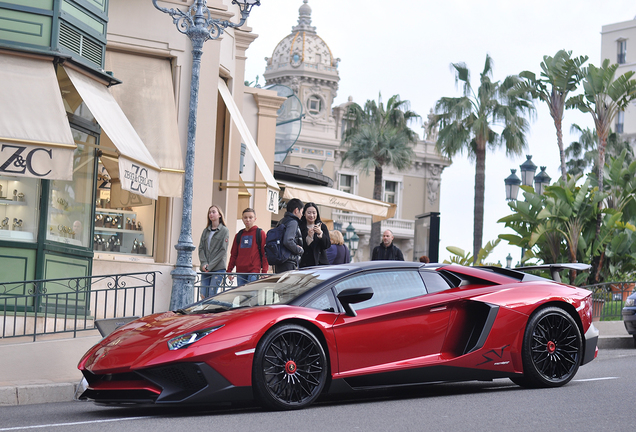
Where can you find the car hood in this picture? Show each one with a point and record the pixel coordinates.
(144, 342)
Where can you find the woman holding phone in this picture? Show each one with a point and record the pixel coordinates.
(315, 238)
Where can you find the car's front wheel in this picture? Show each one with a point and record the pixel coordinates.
(552, 349)
(290, 368)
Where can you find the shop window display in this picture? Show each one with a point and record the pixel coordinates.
(125, 224)
(19, 208)
(70, 202)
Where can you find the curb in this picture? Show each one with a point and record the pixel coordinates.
(37, 394)
(616, 342)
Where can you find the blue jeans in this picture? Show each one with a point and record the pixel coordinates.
(243, 279)
(210, 283)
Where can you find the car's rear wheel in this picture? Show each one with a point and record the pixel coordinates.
(290, 368)
(552, 349)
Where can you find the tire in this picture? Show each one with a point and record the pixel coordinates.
(290, 368)
(634, 336)
(552, 349)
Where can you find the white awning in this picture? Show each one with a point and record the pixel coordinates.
(147, 97)
(248, 140)
(35, 136)
(334, 198)
(138, 171)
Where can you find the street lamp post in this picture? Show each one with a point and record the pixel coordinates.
(512, 185)
(512, 182)
(541, 180)
(199, 26)
(352, 240)
(509, 261)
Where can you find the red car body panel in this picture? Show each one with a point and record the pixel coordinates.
(478, 327)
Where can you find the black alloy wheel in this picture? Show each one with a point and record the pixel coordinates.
(552, 349)
(290, 368)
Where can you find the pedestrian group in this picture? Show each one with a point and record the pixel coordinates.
(306, 239)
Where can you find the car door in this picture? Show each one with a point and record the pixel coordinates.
(399, 327)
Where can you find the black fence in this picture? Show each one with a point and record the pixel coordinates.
(222, 281)
(71, 305)
(609, 299)
(48, 306)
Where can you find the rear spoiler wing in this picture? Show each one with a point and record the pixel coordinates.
(556, 269)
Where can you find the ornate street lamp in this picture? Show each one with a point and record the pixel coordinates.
(349, 232)
(509, 261)
(528, 168)
(512, 185)
(353, 244)
(199, 26)
(352, 240)
(541, 180)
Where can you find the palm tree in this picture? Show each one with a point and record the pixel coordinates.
(582, 155)
(379, 136)
(560, 75)
(603, 97)
(466, 124)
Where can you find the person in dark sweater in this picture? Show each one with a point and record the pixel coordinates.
(245, 254)
(292, 239)
(387, 250)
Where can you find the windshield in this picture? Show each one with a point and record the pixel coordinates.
(276, 289)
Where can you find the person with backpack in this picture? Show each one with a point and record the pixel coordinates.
(213, 251)
(315, 237)
(248, 250)
(284, 251)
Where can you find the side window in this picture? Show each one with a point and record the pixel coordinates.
(388, 286)
(434, 281)
(324, 302)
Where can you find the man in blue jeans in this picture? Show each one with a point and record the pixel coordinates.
(248, 251)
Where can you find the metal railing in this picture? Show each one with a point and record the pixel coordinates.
(609, 299)
(49, 306)
(71, 305)
(224, 281)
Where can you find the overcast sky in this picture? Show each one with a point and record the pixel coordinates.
(406, 48)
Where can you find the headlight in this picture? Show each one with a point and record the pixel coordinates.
(188, 339)
(630, 302)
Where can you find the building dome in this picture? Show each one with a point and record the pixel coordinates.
(303, 47)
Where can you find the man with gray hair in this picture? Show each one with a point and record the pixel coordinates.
(387, 250)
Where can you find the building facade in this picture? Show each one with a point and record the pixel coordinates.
(96, 101)
(303, 62)
(618, 44)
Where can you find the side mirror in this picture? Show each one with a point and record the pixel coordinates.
(354, 295)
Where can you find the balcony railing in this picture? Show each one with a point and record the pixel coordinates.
(362, 223)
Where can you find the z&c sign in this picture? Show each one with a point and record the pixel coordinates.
(38, 162)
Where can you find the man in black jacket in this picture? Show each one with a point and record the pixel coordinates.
(292, 239)
(387, 250)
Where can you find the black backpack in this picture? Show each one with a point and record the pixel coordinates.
(275, 251)
(239, 235)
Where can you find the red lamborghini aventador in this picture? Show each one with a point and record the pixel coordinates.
(287, 339)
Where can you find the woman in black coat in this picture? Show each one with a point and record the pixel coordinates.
(315, 238)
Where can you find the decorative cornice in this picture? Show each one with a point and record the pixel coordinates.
(243, 40)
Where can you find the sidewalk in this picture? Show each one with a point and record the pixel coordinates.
(25, 392)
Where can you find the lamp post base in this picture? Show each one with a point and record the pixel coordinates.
(183, 278)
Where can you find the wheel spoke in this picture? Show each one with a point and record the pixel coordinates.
(554, 347)
(301, 380)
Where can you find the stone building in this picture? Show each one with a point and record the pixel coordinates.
(303, 61)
